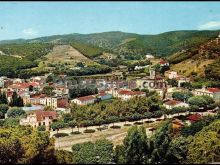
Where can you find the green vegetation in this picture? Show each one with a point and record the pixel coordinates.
(182, 96)
(87, 50)
(212, 71)
(16, 100)
(80, 91)
(100, 152)
(15, 112)
(3, 110)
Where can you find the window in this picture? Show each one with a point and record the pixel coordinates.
(39, 123)
(43, 123)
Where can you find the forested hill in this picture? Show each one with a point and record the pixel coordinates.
(203, 60)
(130, 44)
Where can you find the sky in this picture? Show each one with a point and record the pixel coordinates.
(35, 19)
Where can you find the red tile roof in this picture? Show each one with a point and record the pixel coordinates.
(85, 98)
(125, 92)
(63, 103)
(172, 102)
(38, 96)
(40, 114)
(24, 85)
(194, 117)
(163, 62)
(213, 90)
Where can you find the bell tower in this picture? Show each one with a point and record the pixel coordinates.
(152, 73)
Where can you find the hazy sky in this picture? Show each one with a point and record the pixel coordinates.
(34, 19)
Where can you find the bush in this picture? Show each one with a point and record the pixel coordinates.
(127, 124)
(41, 128)
(57, 135)
(75, 133)
(89, 131)
(102, 128)
(115, 127)
(149, 121)
(138, 123)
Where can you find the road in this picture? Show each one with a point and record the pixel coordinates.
(114, 135)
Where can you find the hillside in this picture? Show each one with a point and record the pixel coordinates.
(197, 59)
(130, 44)
(66, 55)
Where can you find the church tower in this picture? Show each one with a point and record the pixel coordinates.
(152, 73)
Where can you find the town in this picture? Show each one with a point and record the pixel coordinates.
(109, 83)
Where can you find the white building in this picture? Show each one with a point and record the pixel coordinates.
(212, 92)
(39, 118)
(125, 94)
(84, 100)
(174, 103)
(171, 74)
(149, 56)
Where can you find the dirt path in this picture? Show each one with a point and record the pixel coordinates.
(114, 135)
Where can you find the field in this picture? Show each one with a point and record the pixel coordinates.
(65, 54)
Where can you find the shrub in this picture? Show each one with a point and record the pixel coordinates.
(57, 135)
(89, 131)
(127, 124)
(41, 128)
(138, 123)
(115, 127)
(75, 133)
(149, 121)
(102, 128)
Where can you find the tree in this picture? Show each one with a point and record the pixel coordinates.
(41, 128)
(25, 145)
(181, 96)
(162, 139)
(64, 157)
(16, 101)
(199, 101)
(72, 124)
(135, 146)
(3, 110)
(15, 112)
(79, 64)
(113, 119)
(204, 146)
(48, 90)
(173, 82)
(100, 152)
(3, 98)
(50, 78)
(57, 125)
(177, 151)
(31, 88)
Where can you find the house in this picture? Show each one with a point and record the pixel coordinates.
(17, 87)
(174, 103)
(195, 117)
(149, 56)
(126, 94)
(39, 118)
(63, 105)
(33, 99)
(164, 63)
(53, 102)
(84, 100)
(140, 67)
(212, 92)
(171, 74)
(104, 96)
(181, 79)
